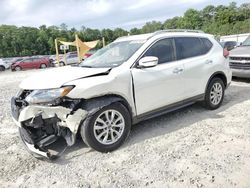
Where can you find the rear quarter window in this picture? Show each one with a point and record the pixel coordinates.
(207, 44)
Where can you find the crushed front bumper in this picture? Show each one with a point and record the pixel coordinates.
(42, 125)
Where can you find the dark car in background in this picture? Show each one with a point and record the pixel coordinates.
(229, 45)
(30, 63)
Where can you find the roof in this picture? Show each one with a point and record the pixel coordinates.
(164, 33)
(134, 37)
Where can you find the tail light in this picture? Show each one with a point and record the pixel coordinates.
(225, 53)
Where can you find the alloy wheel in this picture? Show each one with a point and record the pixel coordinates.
(216, 93)
(109, 127)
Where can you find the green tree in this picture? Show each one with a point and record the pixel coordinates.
(150, 27)
(191, 19)
(217, 20)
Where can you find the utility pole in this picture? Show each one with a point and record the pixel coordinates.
(103, 41)
(78, 49)
(57, 54)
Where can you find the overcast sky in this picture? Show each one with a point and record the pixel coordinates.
(96, 13)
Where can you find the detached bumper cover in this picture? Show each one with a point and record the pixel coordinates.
(43, 125)
(14, 109)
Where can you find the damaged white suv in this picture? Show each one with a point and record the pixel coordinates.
(130, 80)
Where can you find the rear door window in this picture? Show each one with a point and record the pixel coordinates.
(162, 49)
(187, 47)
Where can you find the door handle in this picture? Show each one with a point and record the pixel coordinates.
(177, 70)
(208, 61)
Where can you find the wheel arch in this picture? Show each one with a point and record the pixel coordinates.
(3, 67)
(19, 67)
(220, 75)
(94, 104)
(43, 63)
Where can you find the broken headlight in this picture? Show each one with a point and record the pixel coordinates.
(47, 95)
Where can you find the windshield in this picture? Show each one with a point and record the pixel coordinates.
(113, 55)
(246, 42)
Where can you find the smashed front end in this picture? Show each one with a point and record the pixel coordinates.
(46, 117)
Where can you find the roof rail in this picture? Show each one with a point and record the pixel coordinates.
(177, 30)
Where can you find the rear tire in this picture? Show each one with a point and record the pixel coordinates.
(107, 129)
(214, 94)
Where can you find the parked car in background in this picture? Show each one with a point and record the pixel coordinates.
(3, 65)
(71, 58)
(130, 80)
(30, 63)
(239, 60)
(8, 60)
(229, 45)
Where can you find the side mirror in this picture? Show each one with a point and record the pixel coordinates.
(149, 61)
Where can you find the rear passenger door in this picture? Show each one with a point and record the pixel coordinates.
(35, 63)
(193, 52)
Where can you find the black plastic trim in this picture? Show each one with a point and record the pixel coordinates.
(167, 109)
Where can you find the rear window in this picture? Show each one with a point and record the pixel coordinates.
(187, 47)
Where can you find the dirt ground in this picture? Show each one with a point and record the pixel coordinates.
(193, 147)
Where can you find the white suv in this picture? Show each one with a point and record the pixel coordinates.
(132, 79)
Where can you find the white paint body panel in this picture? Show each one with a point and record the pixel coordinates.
(157, 86)
(56, 77)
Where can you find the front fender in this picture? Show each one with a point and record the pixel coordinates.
(108, 85)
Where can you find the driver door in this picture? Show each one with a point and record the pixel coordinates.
(27, 64)
(162, 85)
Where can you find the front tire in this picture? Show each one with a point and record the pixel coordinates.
(43, 66)
(108, 128)
(61, 64)
(214, 94)
(17, 68)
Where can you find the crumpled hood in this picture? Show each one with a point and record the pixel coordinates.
(56, 77)
(241, 50)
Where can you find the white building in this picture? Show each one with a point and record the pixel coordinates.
(238, 38)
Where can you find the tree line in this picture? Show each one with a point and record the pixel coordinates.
(217, 20)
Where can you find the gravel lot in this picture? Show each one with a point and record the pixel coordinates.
(189, 148)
